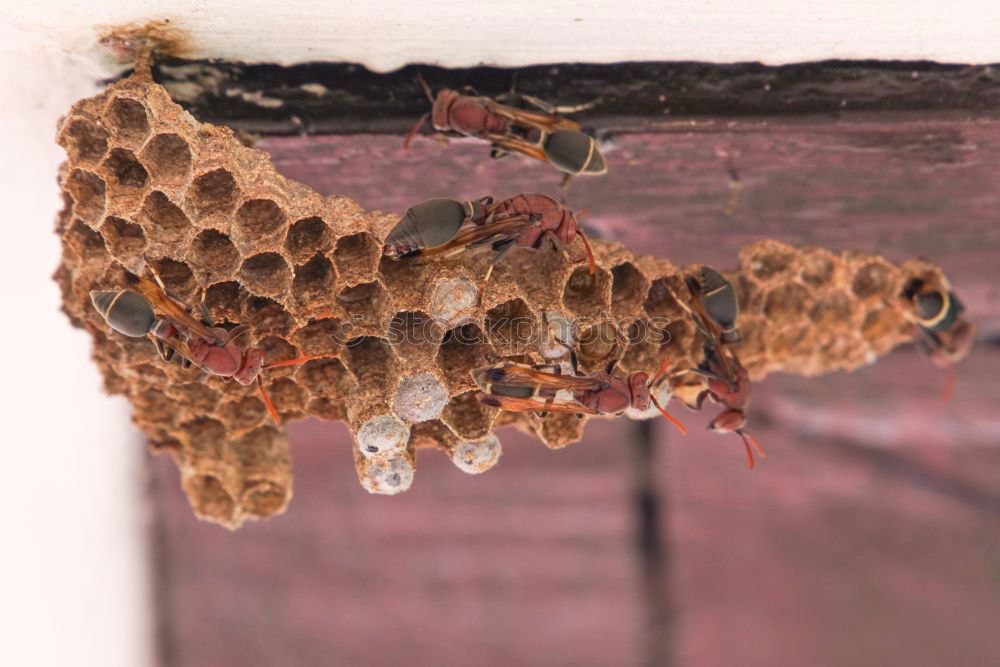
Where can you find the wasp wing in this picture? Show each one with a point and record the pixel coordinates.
(476, 235)
(174, 311)
(537, 119)
(512, 404)
(527, 376)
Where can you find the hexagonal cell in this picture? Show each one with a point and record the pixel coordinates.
(679, 336)
(643, 353)
(628, 286)
(243, 413)
(87, 191)
(205, 438)
(477, 456)
(268, 316)
(328, 408)
(276, 349)
(387, 474)
(512, 327)
(356, 257)
(163, 221)
(598, 344)
(420, 397)
(209, 498)
(266, 274)
(121, 169)
(313, 284)
(454, 301)
(464, 349)
(586, 295)
(264, 498)
(661, 298)
(168, 158)
(415, 335)
(768, 262)
(307, 237)
(787, 302)
(225, 301)
(128, 120)
(86, 242)
(321, 336)
(214, 193)
(832, 309)
(85, 141)
(431, 434)
(881, 323)
(817, 267)
(258, 221)
(326, 377)
(365, 305)
(287, 396)
(468, 417)
(872, 280)
(557, 336)
(125, 239)
(369, 359)
(382, 434)
(561, 429)
(196, 396)
(213, 256)
(177, 277)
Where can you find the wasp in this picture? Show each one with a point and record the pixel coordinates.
(945, 334)
(714, 310)
(446, 227)
(132, 312)
(526, 388)
(543, 134)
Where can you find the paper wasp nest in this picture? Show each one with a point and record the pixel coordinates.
(145, 184)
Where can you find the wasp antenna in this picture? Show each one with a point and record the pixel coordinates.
(416, 128)
(267, 401)
(660, 374)
(590, 253)
(299, 360)
(949, 387)
(425, 87)
(680, 426)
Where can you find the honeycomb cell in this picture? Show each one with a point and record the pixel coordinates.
(787, 302)
(369, 359)
(209, 498)
(382, 434)
(128, 120)
(557, 335)
(313, 284)
(276, 349)
(454, 301)
(415, 335)
(768, 262)
(387, 474)
(177, 277)
(123, 171)
(268, 316)
(86, 142)
(365, 305)
(560, 429)
(197, 396)
(264, 498)
(266, 274)
(213, 257)
(881, 323)
(661, 299)
(87, 243)
(512, 327)
(321, 336)
(586, 295)
(287, 396)
(477, 456)
(468, 417)
(328, 408)
(598, 344)
(420, 397)
(628, 286)
(356, 257)
(125, 239)
(87, 190)
(326, 377)
(225, 301)
(258, 222)
(817, 267)
(464, 349)
(168, 158)
(832, 309)
(244, 413)
(306, 238)
(206, 438)
(874, 279)
(214, 194)
(431, 434)
(163, 221)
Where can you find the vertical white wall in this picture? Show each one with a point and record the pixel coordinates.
(74, 586)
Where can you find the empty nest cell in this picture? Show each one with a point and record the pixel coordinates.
(213, 257)
(512, 327)
(464, 348)
(313, 284)
(168, 159)
(661, 299)
(86, 142)
(768, 261)
(209, 498)
(321, 336)
(225, 300)
(125, 239)
(259, 222)
(87, 190)
(586, 295)
(307, 237)
(326, 377)
(269, 316)
(214, 195)
(287, 396)
(468, 417)
(266, 274)
(415, 335)
(369, 358)
(123, 170)
(163, 221)
(873, 280)
(357, 257)
(128, 120)
(627, 286)
(365, 305)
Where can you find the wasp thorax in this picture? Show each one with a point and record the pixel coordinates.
(387, 474)
(382, 434)
(477, 456)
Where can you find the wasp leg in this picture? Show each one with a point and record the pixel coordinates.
(503, 247)
(564, 188)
